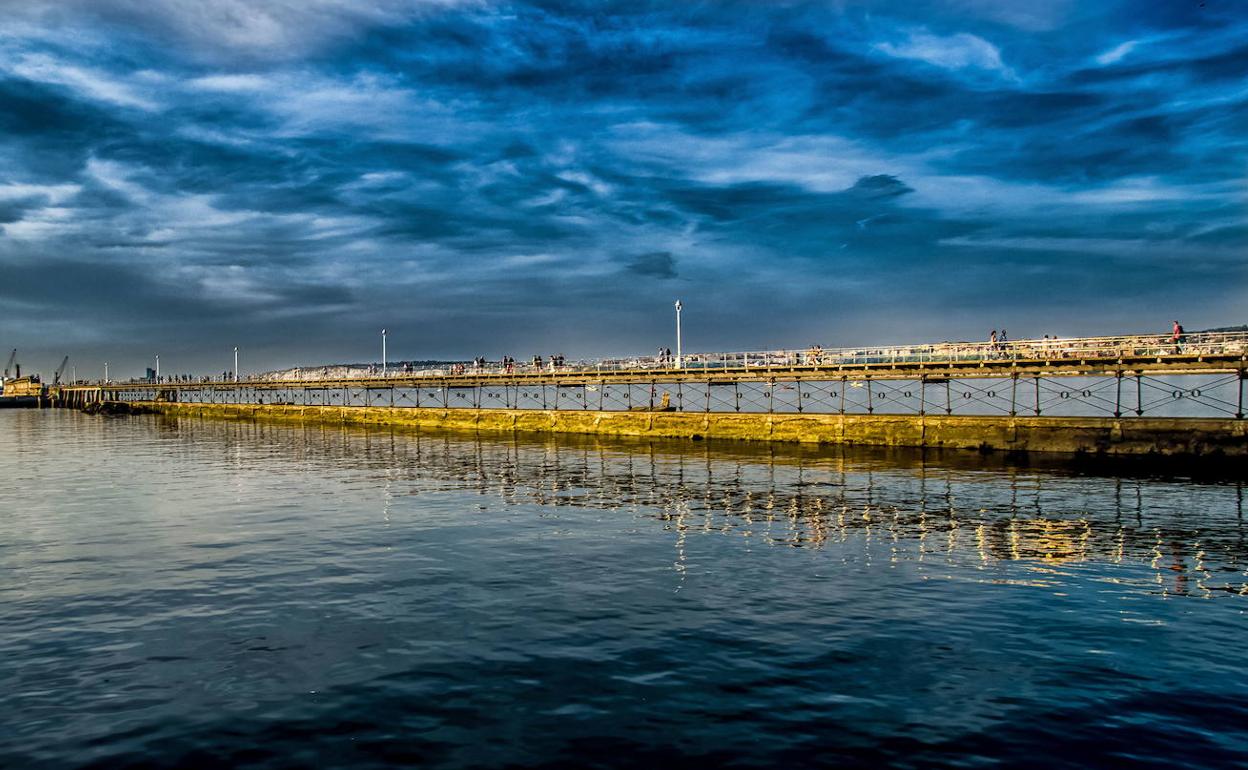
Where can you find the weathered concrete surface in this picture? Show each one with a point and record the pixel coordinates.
(1087, 435)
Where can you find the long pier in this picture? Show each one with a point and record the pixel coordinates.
(1107, 395)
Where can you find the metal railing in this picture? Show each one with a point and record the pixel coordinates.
(1107, 349)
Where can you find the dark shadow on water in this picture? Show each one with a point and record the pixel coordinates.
(369, 728)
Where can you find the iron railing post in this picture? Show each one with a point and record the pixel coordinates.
(1239, 409)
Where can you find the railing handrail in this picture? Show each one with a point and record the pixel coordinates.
(1103, 347)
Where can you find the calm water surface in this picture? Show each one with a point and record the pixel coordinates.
(185, 592)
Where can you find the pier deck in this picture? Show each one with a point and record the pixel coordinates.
(1185, 397)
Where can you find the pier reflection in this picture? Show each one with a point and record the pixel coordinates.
(934, 511)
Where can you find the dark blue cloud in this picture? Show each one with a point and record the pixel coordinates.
(489, 178)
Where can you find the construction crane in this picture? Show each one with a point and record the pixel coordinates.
(9, 364)
(56, 378)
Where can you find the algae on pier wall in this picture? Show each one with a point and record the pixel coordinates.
(1092, 435)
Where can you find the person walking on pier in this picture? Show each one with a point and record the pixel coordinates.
(1178, 337)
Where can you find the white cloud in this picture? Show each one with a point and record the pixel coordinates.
(1117, 53)
(307, 102)
(820, 163)
(54, 193)
(90, 83)
(227, 29)
(230, 84)
(953, 52)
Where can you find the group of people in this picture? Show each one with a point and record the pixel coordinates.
(192, 378)
(554, 362)
(508, 364)
(665, 357)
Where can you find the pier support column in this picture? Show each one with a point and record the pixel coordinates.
(1013, 395)
(1037, 383)
(870, 406)
(1239, 410)
(1118, 396)
(1139, 394)
(948, 397)
(922, 395)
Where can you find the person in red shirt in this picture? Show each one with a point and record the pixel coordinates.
(1178, 336)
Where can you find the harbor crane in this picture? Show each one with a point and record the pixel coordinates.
(56, 377)
(9, 364)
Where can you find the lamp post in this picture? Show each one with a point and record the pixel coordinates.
(236, 363)
(383, 352)
(679, 358)
(105, 372)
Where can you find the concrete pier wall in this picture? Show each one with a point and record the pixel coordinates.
(1088, 435)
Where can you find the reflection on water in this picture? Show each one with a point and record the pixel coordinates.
(181, 592)
(951, 510)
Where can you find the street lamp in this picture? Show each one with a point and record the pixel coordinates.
(383, 352)
(105, 372)
(158, 368)
(679, 358)
(236, 363)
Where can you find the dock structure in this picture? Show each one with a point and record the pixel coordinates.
(1116, 395)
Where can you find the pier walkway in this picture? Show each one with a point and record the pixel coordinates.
(1200, 376)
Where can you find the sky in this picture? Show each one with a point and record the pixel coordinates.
(178, 177)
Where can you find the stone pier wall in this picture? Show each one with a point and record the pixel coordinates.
(1087, 435)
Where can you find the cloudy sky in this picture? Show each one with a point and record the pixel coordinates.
(481, 178)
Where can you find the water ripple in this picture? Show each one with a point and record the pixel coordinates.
(184, 592)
